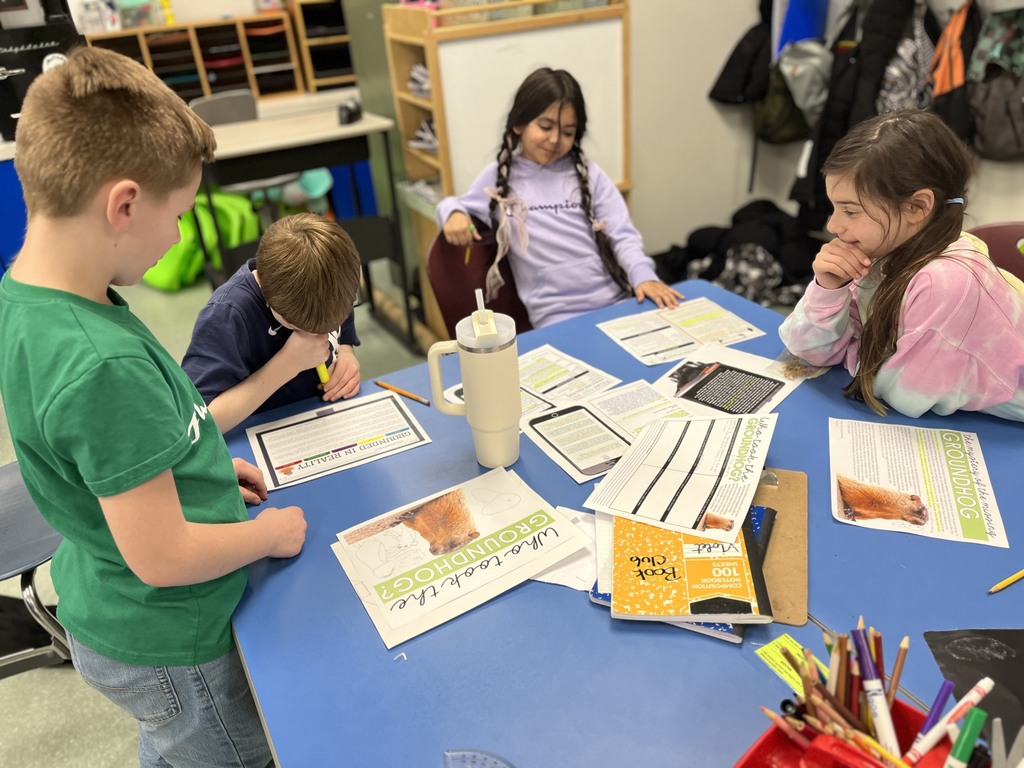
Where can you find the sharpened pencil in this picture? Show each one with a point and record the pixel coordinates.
(1007, 582)
(402, 392)
(897, 670)
(797, 738)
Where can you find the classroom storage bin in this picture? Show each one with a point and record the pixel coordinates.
(775, 750)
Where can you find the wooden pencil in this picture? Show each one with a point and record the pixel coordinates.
(854, 696)
(797, 738)
(812, 665)
(793, 662)
(897, 670)
(868, 744)
(833, 669)
(841, 708)
(876, 649)
(844, 667)
(830, 713)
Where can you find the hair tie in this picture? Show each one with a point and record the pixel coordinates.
(958, 200)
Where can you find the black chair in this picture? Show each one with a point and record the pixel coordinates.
(26, 542)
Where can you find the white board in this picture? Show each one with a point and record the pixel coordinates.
(480, 75)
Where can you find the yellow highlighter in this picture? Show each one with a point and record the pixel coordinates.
(321, 371)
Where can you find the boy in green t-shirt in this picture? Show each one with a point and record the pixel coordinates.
(116, 446)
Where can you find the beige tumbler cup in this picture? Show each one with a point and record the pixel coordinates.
(489, 361)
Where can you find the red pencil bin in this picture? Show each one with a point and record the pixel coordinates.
(775, 750)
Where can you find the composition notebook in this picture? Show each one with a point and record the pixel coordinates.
(661, 574)
(762, 520)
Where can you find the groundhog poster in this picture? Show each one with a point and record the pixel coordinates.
(929, 482)
(427, 562)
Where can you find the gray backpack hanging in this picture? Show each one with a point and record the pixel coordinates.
(996, 88)
(906, 82)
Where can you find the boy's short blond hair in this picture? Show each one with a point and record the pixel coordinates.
(99, 117)
(309, 271)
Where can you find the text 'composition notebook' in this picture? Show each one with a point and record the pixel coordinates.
(662, 574)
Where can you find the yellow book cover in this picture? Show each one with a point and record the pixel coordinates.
(661, 574)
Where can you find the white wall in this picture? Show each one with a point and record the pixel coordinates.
(691, 156)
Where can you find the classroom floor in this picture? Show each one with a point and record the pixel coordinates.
(49, 717)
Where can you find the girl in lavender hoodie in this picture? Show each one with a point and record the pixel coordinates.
(572, 246)
(912, 306)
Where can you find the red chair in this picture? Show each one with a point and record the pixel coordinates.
(454, 277)
(1004, 242)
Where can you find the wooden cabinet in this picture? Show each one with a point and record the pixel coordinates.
(202, 58)
(323, 41)
(476, 56)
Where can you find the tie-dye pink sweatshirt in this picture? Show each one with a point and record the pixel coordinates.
(960, 344)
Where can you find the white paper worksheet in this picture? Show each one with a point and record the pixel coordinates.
(429, 561)
(333, 437)
(694, 475)
(715, 380)
(553, 374)
(662, 335)
(930, 482)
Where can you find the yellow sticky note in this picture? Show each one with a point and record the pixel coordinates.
(771, 654)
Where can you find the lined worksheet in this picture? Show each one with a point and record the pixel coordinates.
(333, 437)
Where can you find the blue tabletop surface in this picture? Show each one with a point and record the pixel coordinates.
(540, 675)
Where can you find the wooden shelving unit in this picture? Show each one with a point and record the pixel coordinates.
(570, 35)
(323, 41)
(201, 58)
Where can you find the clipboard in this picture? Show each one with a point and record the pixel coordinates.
(785, 565)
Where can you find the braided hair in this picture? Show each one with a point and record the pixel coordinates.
(542, 88)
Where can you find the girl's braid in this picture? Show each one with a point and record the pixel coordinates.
(604, 244)
(508, 144)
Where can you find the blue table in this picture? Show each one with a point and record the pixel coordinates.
(540, 675)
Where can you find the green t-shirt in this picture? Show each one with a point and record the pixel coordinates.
(97, 407)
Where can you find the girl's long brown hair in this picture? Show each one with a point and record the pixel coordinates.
(887, 159)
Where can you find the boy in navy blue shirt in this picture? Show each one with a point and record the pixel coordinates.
(258, 341)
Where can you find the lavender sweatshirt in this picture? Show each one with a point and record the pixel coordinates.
(960, 344)
(560, 274)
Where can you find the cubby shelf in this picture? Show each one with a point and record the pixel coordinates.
(323, 42)
(206, 57)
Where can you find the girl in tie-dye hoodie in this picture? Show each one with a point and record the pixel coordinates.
(910, 304)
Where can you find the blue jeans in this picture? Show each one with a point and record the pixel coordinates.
(199, 717)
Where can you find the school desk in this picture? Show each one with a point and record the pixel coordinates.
(540, 675)
(284, 143)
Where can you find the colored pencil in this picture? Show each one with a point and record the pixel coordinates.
(897, 670)
(876, 652)
(793, 662)
(842, 688)
(833, 669)
(869, 744)
(1007, 582)
(812, 666)
(839, 707)
(854, 697)
(402, 392)
(797, 738)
